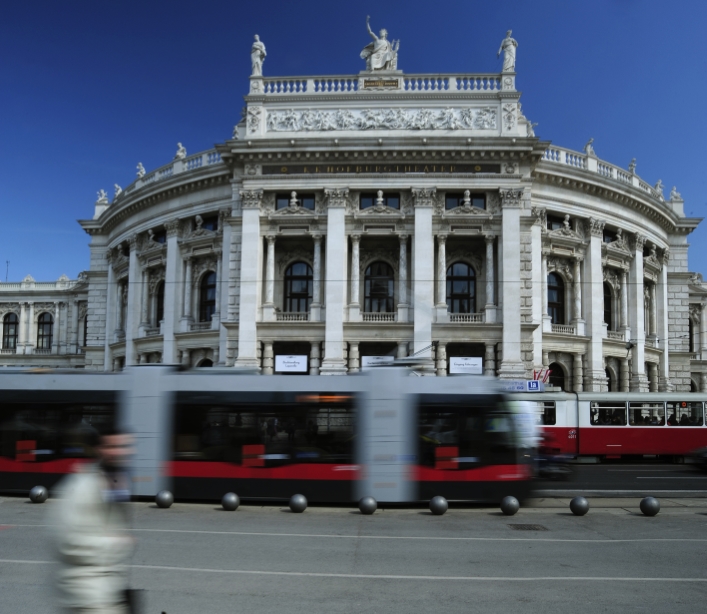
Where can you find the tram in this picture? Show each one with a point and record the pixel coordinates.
(619, 425)
(203, 433)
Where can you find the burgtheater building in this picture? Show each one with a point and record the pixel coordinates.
(382, 214)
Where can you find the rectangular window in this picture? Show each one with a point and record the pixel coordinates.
(159, 236)
(370, 199)
(685, 413)
(608, 414)
(210, 223)
(456, 199)
(609, 235)
(546, 413)
(554, 222)
(283, 201)
(646, 414)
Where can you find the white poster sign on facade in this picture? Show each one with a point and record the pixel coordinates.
(375, 361)
(290, 364)
(470, 365)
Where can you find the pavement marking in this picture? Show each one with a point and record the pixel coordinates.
(642, 470)
(353, 576)
(671, 477)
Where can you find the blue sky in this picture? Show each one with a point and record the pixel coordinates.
(90, 88)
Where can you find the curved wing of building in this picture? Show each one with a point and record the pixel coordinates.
(353, 219)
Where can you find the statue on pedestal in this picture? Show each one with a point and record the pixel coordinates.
(380, 54)
(102, 197)
(508, 46)
(140, 170)
(257, 57)
(181, 152)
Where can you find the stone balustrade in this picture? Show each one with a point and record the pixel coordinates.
(292, 316)
(563, 329)
(467, 318)
(378, 317)
(615, 335)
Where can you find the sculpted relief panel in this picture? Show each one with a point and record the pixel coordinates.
(291, 120)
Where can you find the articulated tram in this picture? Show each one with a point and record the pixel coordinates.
(203, 433)
(619, 425)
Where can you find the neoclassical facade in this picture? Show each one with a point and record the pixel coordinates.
(381, 214)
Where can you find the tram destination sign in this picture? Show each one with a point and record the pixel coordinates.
(395, 169)
(522, 386)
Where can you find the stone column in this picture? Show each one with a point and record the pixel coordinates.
(625, 326)
(652, 377)
(224, 281)
(56, 328)
(579, 322)
(664, 383)
(624, 375)
(110, 317)
(577, 373)
(75, 344)
(490, 360)
(22, 331)
(546, 358)
(144, 303)
(547, 321)
(403, 279)
(216, 318)
(594, 308)
(187, 318)
(354, 358)
(314, 358)
(269, 304)
(490, 281)
(315, 312)
(354, 305)
(512, 366)
(703, 383)
(703, 331)
(335, 291)
(441, 306)
(132, 309)
(653, 312)
(441, 360)
(172, 290)
(423, 276)
(31, 329)
(402, 349)
(251, 263)
(639, 381)
(268, 358)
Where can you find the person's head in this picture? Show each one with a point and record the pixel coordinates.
(115, 448)
(383, 33)
(257, 38)
(508, 34)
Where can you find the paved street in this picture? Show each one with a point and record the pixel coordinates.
(196, 558)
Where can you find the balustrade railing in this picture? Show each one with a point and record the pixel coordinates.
(292, 316)
(8, 351)
(467, 318)
(615, 335)
(695, 356)
(379, 317)
(563, 329)
(200, 326)
(42, 351)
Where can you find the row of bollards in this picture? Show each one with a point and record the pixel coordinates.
(579, 506)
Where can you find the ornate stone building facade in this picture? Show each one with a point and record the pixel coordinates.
(382, 214)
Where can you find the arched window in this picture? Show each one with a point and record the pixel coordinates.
(85, 330)
(609, 381)
(556, 298)
(207, 297)
(461, 288)
(298, 287)
(379, 288)
(206, 363)
(9, 331)
(691, 335)
(557, 376)
(608, 319)
(45, 326)
(159, 303)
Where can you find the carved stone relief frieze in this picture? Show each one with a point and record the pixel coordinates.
(368, 257)
(465, 255)
(509, 115)
(611, 277)
(40, 308)
(562, 266)
(289, 257)
(6, 308)
(252, 199)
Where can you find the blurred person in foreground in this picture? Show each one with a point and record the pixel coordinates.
(91, 539)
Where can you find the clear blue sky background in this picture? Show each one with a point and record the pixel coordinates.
(89, 88)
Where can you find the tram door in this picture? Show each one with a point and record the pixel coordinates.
(386, 445)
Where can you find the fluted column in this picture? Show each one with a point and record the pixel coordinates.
(75, 326)
(442, 271)
(624, 302)
(624, 375)
(172, 288)
(269, 304)
(31, 329)
(703, 332)
(490, 281)
(547, 321)
(315, 310)
(639, 381)
(490, 360)
(188, 283)
(579, 322)
(653, 311)
(354, 305)
(22, 332)
(595, 373)
(578, 373)
(133, 304)
(111, 291)
(652, 377)
(216, 318)
(56, 331)
(403, 279)
(225, 281)
(145, 301)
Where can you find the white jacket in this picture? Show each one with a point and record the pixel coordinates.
(93, 546)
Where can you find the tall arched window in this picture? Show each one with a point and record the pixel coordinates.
(379, 288)
(610, 381)
(10, 325)
(461, 288)
(207, 297)
(556, 298)
(45, 326)
(159, 303)
(608, 319)
(85, 330)
(298, 287)
(690, 335)
(557, 376)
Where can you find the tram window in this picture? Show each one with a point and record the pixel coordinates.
(267, 434)
(546, 413)
(465, 433)
(685, 413)
(608, 414)
(646, 414)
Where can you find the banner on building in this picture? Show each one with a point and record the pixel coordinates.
(471, 365)
(291, 364)
(375, 361)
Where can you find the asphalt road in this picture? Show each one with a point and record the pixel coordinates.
(199, 559)
(624, 479)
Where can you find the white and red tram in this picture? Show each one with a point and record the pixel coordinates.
(616, 425)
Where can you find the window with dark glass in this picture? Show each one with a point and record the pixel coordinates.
(608, 319)
(9, 331)
(370, 199)
(608, 414)
(557, 376)
(646, 414)
(456, 199)
(85, 330)
(379, 288)
(556, 298)
(210, 222)
(684, 413)
(45, 325)
(609, 236)
(159, 236)
(555, 222)
(690, 335)
(298, 287)
(159, 303)
(306, 201)
(461, 288)
(207, 297)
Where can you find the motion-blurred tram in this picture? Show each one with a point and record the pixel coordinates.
(203, 433)
(620, 425)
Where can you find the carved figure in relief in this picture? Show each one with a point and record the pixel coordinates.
(102, 197)
(257, 57)
(508, 46)
(140, 170)
(380, 54)
(181, 152)
(674, 194)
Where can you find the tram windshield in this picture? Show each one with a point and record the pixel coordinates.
(685, 413)
(646, 414)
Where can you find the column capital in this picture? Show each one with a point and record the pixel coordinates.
(172, 228)
(132, 241)
(355, 238)
(251, 199)
(316, 237)
(510, 198)
(489, 238)
(337, 197)
(424, 197)
(442, 238)
(271, 239)
(638, 242)
(596, 227)
(403, 237)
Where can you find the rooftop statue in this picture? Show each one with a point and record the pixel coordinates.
(257, 57)
(589, 148)
(181, 152)
(102, 197)
(118, 191)
(508, 46)
(380, 54)
(674, 194)
(140, 170)
(632, 166)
